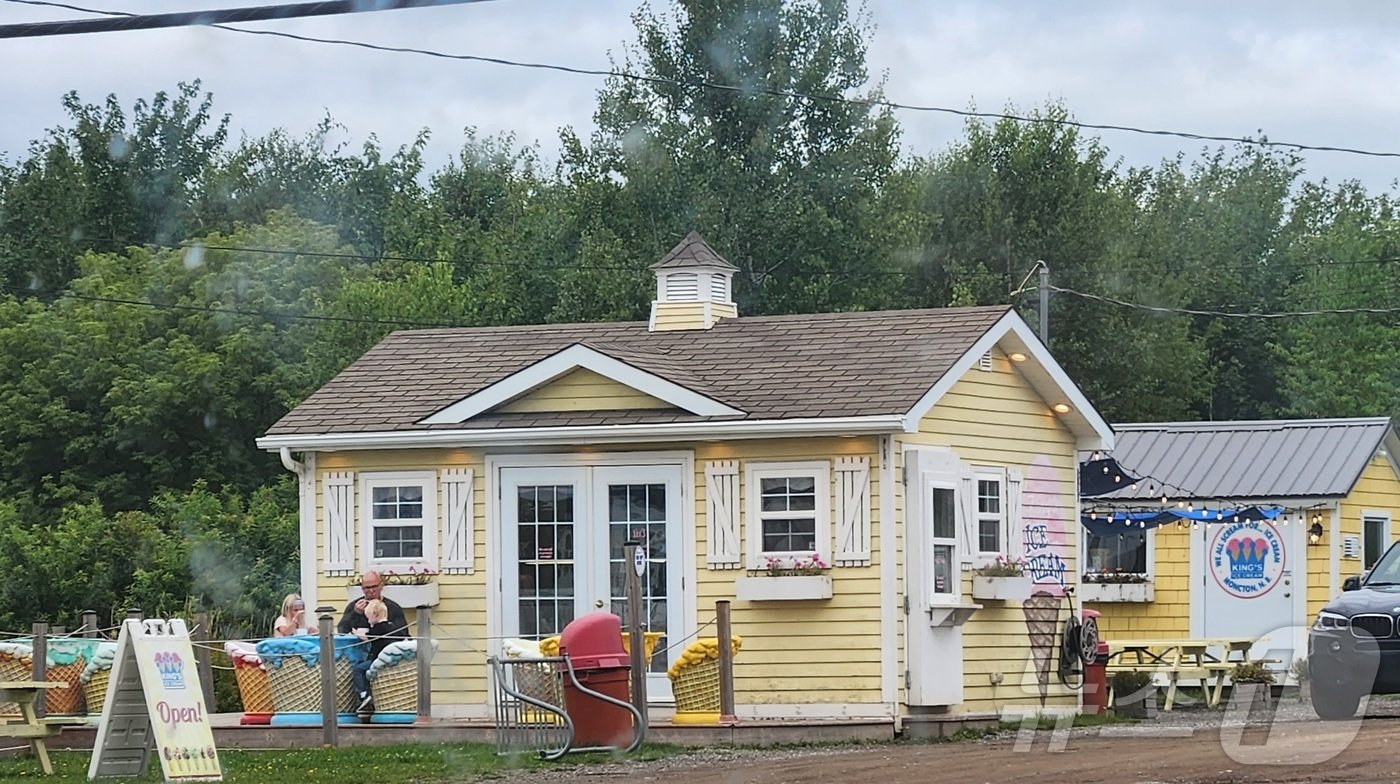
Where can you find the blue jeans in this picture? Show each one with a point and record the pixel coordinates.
(359, 675)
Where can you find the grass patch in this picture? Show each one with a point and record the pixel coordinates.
(401, 764)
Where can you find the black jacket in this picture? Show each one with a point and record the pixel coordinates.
(357, 620)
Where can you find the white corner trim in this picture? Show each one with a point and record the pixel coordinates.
(889, 586)
(307, 526)
(578, 356)
(1092, 432)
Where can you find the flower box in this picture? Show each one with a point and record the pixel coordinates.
(1116, 592)
(794, 587)
(1001, 588)
(407, 596)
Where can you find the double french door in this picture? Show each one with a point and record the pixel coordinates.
(562, 551)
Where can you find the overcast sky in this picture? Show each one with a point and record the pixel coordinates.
(1307, 72)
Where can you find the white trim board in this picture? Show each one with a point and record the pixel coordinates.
(572, 358)
(601, 434)
(1012, 333)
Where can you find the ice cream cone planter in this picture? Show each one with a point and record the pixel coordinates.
(695, 681)
(253, 686)
(16, 664)
(67, 658)
(294, 676)
(393, 679)
(96, 676)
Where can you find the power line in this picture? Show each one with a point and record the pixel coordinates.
(1223, 313)
(776, 93)
(121, 22)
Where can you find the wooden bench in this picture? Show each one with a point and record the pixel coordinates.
(29, 727)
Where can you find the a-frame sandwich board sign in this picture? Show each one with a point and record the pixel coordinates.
(155, 703)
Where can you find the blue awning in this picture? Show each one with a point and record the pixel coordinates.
(1104, 523)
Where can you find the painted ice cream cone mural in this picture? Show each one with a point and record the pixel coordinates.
(1042, 612)
(1048, 543)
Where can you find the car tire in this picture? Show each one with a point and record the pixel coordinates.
(1332, 704)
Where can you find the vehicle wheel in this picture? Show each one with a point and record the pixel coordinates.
(1334, 703)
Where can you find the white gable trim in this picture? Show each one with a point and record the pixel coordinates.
(1090, 429)
(571, 358)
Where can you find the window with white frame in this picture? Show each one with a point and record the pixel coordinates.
(944, 512)
(789, 511)
(991, 512)
(398, 519)
(1375, 537)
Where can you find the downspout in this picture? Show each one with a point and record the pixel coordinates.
(297, 468)
(306, 522)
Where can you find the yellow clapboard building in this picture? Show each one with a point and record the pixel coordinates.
(840, 478)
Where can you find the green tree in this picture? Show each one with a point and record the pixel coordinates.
(782, 181)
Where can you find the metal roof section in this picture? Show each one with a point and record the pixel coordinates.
(1271, 459)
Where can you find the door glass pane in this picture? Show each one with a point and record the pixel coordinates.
(637, 512)
(544, 531)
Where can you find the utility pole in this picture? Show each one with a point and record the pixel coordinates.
(1044, 303)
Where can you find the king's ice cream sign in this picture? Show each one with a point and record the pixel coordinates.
(1247, 558)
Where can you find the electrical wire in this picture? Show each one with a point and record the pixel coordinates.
(1225, 313)
(124, 22)
(775, 93)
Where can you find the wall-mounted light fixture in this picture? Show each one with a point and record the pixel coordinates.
(1017, 356)
(1061, 408)
(1315, 533)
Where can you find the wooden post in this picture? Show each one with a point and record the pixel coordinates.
(89, 623)
(330, 729)
(634, 554)
(59, 630)
(40, 666)
(134, 613)
(425, 661)
(203, 660)
(726, 663)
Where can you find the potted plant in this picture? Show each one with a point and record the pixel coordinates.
(786, 579)
(1134, 694)
(1251, 688)
(1003, 579)
(416, 587)
(1115, 586)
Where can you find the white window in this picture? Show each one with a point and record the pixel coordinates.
(990, 532)
(1375, 537)
(398, 520)
(789, 511)
(943, 508)
(1128, 551)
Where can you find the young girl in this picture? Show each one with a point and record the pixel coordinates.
(291, 621)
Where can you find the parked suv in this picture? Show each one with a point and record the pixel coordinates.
(1354, 644)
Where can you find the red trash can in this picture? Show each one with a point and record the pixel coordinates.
(1096, 676)
(593, 644)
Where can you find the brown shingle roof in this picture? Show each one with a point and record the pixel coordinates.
(769, 367)
(693, 251)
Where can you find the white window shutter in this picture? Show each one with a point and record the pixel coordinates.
(722, 514)
(1015, 527)
(459, 525)
(967, 526)
(852, 511)
(338, 497)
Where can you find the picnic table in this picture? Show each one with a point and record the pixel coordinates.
(1179, 660)
(23, 693)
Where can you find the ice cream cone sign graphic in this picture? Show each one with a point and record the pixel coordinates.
(1048, 542)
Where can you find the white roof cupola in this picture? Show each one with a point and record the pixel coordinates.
(694, 287)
